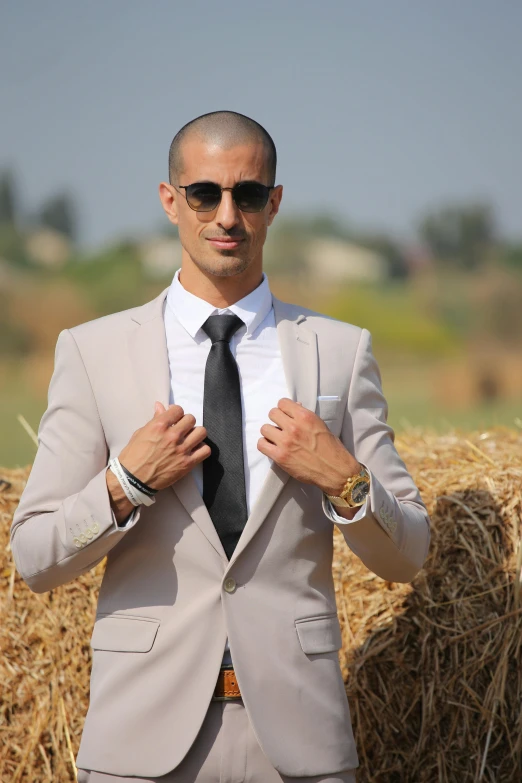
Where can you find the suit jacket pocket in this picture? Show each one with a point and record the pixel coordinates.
(319, 634)
(328, 410)
(124, 633)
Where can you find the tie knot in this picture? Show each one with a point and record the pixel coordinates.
(221, 328)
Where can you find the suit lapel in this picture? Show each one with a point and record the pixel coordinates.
(298, 345)
(147, 347)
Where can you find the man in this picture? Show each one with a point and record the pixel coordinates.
(228, 419)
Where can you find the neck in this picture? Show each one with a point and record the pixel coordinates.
(220, 292)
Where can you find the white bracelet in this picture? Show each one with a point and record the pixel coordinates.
(135, 495)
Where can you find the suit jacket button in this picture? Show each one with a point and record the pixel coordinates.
(230, 585)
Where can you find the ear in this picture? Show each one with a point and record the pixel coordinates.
(273, 204)
(167, 194)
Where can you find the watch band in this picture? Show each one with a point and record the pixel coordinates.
(339, 501)
(346, 499)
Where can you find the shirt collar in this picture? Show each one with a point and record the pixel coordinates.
(192, 312)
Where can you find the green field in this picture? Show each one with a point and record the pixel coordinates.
(16, 447)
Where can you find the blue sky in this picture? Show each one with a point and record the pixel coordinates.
(379, 109)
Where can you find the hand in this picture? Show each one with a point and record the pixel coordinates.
(159, 453)
(302, 444)
(166, 448)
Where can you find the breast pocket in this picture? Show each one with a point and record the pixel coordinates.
(124, 633)
(319, 634)
(329, 409)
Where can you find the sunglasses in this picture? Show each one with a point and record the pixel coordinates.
(206, 196)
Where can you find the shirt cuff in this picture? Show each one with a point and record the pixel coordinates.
(126, 523)
(331, 513)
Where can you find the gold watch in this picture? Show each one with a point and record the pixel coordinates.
(354, 492)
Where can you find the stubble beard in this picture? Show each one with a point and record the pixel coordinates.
(228, 266)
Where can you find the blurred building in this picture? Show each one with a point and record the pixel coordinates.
(160, 256)
(337, 261)
(49, 248)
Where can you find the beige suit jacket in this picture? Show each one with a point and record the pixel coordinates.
(169, 596)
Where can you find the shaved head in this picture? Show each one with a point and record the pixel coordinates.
(225, 129)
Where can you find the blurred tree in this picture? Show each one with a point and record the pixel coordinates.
(12, 246)
(512, 255)
(168, 229)
(284, 252)
(14, 339)
(12, 239)
(112, 279)
(59, 213)
(462, 235)
(390, 250)
(8, 199)
(324, 225)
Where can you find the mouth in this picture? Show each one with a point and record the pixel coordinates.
(225, 243)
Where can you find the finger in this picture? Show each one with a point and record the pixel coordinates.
(172, 415)
(278, 417)
(267, 448)
(194, 438)
(158, 408)
(289, 407)
(200, 452)
(271, 433)
(185, 424)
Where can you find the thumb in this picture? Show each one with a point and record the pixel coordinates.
(158, 408)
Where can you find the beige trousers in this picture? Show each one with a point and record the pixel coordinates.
(225, 751)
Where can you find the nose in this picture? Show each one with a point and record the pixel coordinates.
(227, 213)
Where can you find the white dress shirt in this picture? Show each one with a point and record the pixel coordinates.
(256, 350)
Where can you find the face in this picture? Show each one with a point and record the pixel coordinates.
(226, 241)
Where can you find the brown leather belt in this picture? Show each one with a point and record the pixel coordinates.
(226, 686)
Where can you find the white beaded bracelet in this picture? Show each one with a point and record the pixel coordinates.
(135, 496)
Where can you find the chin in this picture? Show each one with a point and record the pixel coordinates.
(227, 265)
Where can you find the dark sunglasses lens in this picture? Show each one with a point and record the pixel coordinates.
(251, 196)
(203, 196)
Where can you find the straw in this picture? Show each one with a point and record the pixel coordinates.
(432, 669)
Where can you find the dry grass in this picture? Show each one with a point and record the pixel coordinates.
(432, 669)
(45, 664)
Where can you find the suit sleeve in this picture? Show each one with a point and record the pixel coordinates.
(392, 538)
(64, 524)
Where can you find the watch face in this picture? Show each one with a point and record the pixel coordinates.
(360, 492)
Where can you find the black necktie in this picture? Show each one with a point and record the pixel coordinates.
(223, 471)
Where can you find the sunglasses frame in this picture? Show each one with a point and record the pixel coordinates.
(245, 182)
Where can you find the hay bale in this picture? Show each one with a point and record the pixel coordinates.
(432, 669)
(45, 663)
